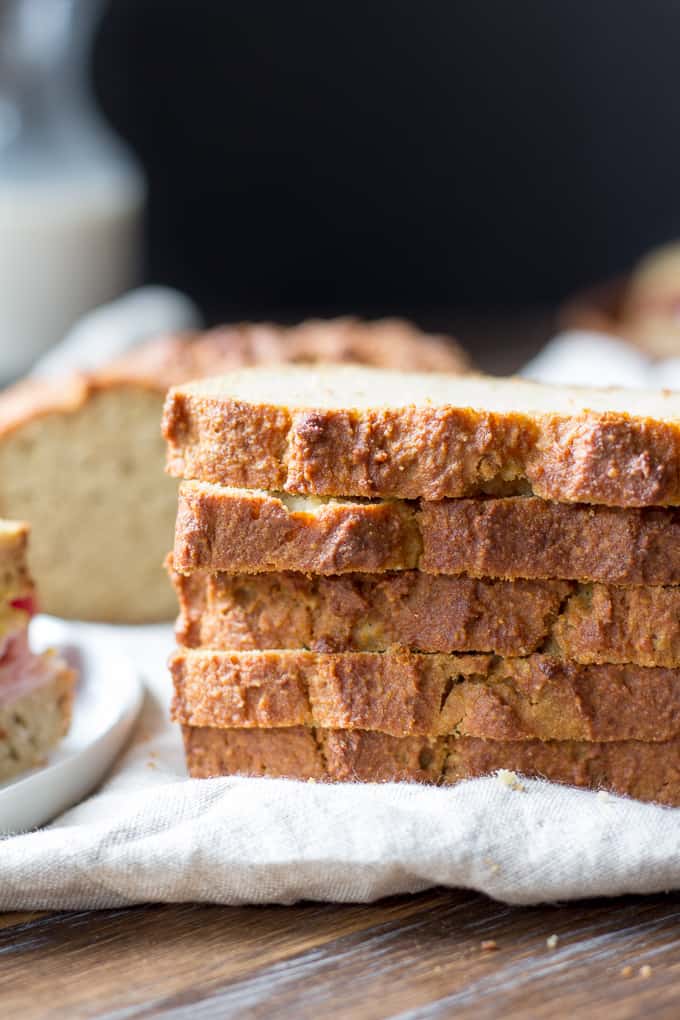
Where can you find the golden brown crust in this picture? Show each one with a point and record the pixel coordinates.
(366, 612)
(645, 771)
(533, 538)
(511, 537)
(256, 531)
(421, 450)
(405, 693)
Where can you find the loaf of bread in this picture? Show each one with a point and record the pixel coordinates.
(82, 458)
(248, 531)
(356, 431)
(647, 771)
(402, 693)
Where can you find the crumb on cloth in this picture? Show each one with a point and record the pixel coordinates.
(510, 779)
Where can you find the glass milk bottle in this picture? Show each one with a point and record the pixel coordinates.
(71, 195)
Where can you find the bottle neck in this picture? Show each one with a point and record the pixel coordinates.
(49, 123)
(44, 55)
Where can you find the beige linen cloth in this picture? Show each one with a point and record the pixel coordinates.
(151, 835)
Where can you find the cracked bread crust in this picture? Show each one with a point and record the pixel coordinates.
(365, 612)
(405, 693)
(227, 434)
(234, 530)
(605, 623)
(649, 772)
(592, 623)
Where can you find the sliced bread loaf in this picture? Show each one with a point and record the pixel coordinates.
(355, 431)
(401, 693)
(632, 768)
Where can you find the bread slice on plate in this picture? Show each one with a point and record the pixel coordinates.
(401, 693)
(248, 531)
(646, 771)
(357, 431)
(36, 691)
(82, 458)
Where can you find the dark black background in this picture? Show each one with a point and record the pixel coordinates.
(395, 155)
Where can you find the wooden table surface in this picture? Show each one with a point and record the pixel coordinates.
(418, 956)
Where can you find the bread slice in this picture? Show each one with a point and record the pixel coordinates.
(645, 771)
(402, 693)
(243, 531)
(36, 691)
(592, 623)
(356, 431)
(82, 458)
(34, 720)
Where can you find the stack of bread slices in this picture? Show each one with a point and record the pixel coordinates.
(394, 576)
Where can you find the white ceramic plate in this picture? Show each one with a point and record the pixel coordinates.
(108, 699)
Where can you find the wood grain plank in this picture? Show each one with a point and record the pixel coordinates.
(13, 920)
(166, 951)
(433, 965)
(420, 956)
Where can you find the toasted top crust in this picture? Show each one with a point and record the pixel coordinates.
(357, 431)
(168, 360)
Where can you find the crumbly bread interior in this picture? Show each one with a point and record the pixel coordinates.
(102, 557)
(33, 724)
(353, 387)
